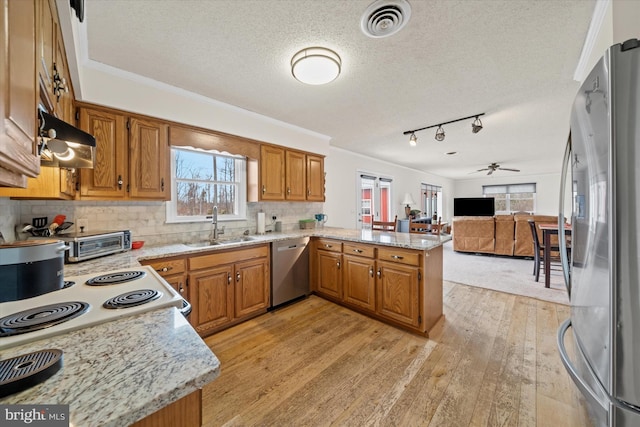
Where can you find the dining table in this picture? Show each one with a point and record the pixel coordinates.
(547, 231)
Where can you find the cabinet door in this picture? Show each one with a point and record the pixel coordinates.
(315, 178)
(211, 298)
(358, 281)
(397, 292)
(295, 176)
(108, 177)
(179, 283)
(272, 160)
(64, 100)
(252, 287)
(18, 86)
(48, 30)
(329, 269)
(52, 183)
(149, 160)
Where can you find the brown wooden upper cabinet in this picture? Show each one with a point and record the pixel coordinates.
(132, 156)
(290, 175)
(18, 86)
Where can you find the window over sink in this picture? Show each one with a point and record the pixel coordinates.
(201, 179)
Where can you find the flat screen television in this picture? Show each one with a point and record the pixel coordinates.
(473, 206)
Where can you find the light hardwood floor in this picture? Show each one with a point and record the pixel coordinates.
(491, 362)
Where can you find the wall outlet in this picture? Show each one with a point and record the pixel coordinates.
(273, 217)
(82, 225)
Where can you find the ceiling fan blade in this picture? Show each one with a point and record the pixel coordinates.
(508, 169)
(490, 172)
(480, 170)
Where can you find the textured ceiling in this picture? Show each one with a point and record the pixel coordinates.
(513, 60)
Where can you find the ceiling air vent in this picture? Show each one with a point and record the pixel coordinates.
(385, 17)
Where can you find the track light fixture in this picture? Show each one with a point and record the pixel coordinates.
(476, 127)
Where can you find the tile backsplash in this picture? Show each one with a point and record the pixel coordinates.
(146, 220)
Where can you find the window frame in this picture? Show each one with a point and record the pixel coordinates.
(240, 183)
(424, 204)
(508, 190)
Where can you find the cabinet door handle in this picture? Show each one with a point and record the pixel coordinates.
(228, 278)
(264, 189)
(371, 271)
(379, 272)
(181, 289)
(238, 276)
(327, 245)
(359, 251)
(164, 269)
(120, 182)
(162, 184)
(338, 264)
(288, 190)
(397, 257)
(308, 192)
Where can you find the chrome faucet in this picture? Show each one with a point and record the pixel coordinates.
(215, 233)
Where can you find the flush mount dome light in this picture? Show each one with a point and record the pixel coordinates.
(316, 65)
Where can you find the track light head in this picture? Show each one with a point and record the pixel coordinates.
(413, 139)
(476, 126)
(440, 134)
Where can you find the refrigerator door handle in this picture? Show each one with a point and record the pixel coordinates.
(563, 242)
(582, 386)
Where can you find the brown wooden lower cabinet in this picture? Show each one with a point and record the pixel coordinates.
(185, 412)
(396, 285)
(228, 287)
(224, 287)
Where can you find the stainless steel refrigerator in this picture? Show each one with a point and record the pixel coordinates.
(603, 156)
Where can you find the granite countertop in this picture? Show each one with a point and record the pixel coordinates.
(133, 258)
(118, 372)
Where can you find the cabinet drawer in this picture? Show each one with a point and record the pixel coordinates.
(228, 257)
(402, 256)
(358, 249)
(329, 245)
(167, 267)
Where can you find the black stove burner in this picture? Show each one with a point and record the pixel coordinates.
(115, 278)
(41, 317)
(132, 299)
(68, 284)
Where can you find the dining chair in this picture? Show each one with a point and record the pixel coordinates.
(417, 227)
(385, 225)
(538, 250)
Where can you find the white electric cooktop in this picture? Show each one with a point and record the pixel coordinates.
(91, 298)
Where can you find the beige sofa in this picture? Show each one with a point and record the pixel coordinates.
(499, 234)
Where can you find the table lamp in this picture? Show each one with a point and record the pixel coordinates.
(408, 201)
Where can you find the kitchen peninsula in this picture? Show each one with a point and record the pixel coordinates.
(395, 277)
(119, 372)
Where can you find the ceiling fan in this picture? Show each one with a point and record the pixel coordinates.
(494, 167)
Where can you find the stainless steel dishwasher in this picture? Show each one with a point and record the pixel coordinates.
(289, 270)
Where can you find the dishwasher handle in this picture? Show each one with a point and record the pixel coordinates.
(290, 247)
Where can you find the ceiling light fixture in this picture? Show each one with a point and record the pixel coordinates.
(316, 65)
(476, 127)
(413, 140)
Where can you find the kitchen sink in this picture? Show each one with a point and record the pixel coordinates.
(221, 242)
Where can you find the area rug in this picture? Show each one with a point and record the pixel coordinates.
(501, 273)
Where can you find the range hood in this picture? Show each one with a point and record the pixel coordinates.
(64, 145)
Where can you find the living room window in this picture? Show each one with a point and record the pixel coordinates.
(431, 200)
(202, 179)
(512, 198)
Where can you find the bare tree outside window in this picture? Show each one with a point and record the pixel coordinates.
(205, 179)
